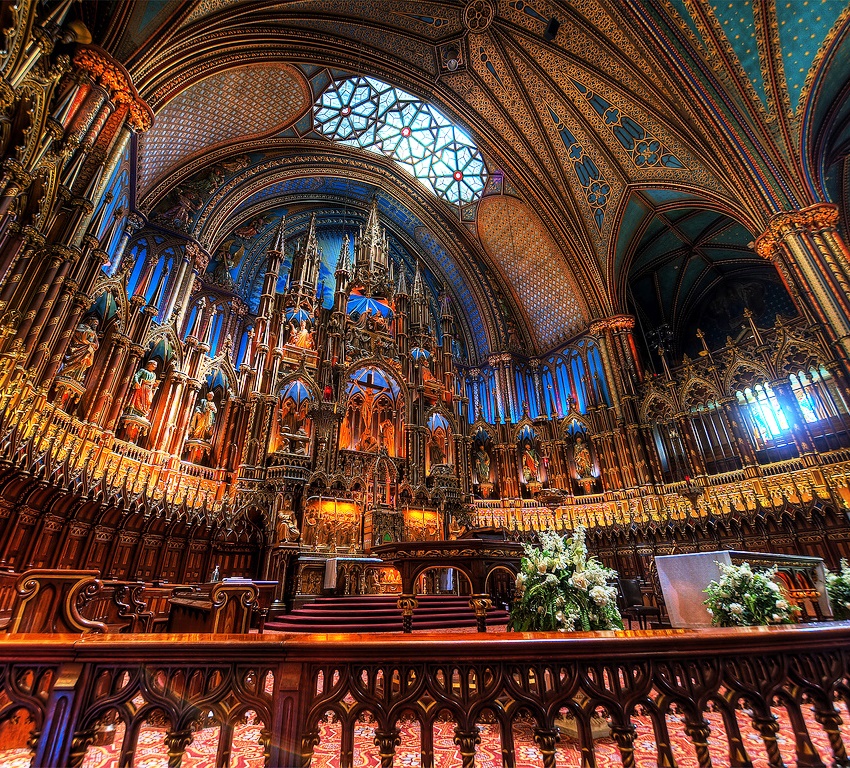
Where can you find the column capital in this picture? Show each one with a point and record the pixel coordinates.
(817, 216)
(613, 323)
(109, 74)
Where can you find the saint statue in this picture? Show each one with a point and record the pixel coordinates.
(144, 388)
(482, 465)
(387, 436)
(368, 442)
(530, 463)
(80, 355)
(345, 434)
(286, 528)
(301, 337)
(298, 442)
(366, 408)
(435, 451)
(581, 456)
(203, 419)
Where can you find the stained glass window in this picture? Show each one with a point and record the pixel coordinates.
(367, 113)
(767, 418)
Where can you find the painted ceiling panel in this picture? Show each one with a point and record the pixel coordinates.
(736, 19)
(239, 103)
(803, 26)
(516, 239)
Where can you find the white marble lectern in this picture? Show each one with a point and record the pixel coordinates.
(684, 577)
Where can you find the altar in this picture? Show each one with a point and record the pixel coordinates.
(683, 579)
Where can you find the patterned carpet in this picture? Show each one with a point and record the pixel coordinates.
(247, 752)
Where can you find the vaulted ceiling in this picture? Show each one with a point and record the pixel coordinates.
(726, 108)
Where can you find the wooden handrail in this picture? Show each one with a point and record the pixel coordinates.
(291, 681)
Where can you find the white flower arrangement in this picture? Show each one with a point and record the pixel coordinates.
(838, 589)
(744, 598)
(560, 588)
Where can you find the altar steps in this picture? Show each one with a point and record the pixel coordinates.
(379, 613)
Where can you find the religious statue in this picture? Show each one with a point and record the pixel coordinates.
(311, 528)
(286, 528)
(144, 388)
(581, 456)
(80, 355)
(387, 436)
(366, 408)
(203, 419)
(435, 451)
(298, 442)
(345, 434)
(482, 465)
(368, 442)
(530, 463)
(301, 337)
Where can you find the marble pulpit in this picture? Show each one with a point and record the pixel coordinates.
(684, 577)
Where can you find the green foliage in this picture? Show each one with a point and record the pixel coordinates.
(838, 589)
(747, 598)
(559, 588)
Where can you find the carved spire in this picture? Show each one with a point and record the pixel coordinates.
(418, 283)
(373, 235)
(401, 287)
(343, 265)
(279, 241)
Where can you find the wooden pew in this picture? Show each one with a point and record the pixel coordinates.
(157, 597)
(8, 593)
(120, 606)
(219, 608)
(265, 596)
(48, 601)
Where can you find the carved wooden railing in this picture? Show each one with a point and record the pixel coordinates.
(724, 697)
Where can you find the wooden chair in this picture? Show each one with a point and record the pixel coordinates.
(48, 601)
(632, 604)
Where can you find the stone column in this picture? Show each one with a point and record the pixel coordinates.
(813, 261)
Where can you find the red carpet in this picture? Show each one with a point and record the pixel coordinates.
(379, 613)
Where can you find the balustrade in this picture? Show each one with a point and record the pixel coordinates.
(730, 697)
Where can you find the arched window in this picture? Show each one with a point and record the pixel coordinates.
(579, 376)
(768, 423)
(563, 389)
(242, 353)
(138, 256)
(597, 373)
(713, 438)
(549, 401)
(521, 393)
(493, 414)
(531, 389)
(818, 395)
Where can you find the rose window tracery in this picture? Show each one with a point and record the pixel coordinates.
(372, 115)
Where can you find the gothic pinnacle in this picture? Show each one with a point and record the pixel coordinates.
(279, 243)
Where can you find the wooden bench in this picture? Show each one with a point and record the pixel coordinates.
(48, 601)
(8, 593)
(120, 606)
(265, 596)
(219, 608)
(157, 599)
